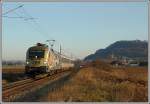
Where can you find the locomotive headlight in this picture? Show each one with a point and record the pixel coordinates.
(27, 62)
(45, 62)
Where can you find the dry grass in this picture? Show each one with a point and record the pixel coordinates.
(13, 69)
(4, 82)
(12, 73)
(98, 84)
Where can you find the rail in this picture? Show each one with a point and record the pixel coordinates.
(17, 89)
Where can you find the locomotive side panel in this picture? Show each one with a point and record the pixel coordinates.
(53, 61)
(67, 63)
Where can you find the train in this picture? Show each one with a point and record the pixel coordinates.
(41, 59)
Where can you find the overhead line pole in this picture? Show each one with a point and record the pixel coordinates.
(51, 44)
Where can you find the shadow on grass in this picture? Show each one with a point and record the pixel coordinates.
(12, 77)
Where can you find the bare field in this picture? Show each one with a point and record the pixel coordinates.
(4, 82)
(13, 69)
(12, 74)
(104, 84)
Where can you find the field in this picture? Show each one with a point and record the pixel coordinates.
(100, 82)
(13, 69)
(12, 73)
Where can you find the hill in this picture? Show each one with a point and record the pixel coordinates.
(131, 49)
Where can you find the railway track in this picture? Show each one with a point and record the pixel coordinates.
(17, 89)
(17, 83)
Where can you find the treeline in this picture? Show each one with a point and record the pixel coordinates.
(5, 63)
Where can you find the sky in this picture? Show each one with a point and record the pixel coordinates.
(81, 28)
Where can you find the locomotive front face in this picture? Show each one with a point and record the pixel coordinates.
(36, 60)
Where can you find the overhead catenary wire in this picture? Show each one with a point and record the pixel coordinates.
(12, 17)
(65, 53)
(39, 27)
(28, 19)
(69, 55)
(18, 17)
(6, 14)
(36, 24)
(11, 10)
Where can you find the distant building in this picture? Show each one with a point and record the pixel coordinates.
(126, 61)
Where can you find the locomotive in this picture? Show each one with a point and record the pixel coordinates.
(40, 59)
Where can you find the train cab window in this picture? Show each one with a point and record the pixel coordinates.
(36, 54)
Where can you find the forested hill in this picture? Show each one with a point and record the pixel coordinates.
(131, 49)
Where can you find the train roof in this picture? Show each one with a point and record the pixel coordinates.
(39, 46)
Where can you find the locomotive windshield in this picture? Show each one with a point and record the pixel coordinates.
(36, 54)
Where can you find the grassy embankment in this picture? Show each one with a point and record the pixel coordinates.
(99, 82)
(12, 73)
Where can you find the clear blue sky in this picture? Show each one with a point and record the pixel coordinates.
(81, 28)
